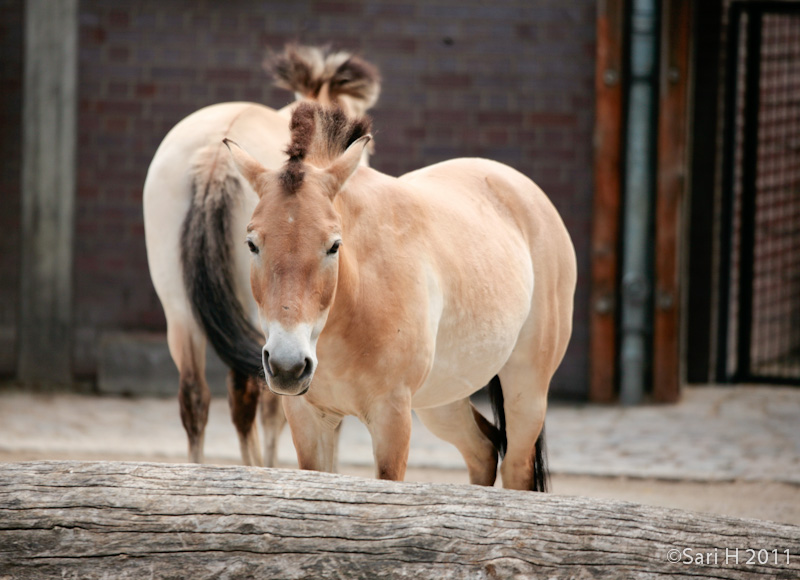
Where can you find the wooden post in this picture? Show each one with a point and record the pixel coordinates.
(48, 190)
(607, 167)
(672, 176)
(71, 519)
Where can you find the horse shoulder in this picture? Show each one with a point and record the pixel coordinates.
(388, 303)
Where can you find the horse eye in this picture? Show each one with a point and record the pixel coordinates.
(252, 247)
(334, 247)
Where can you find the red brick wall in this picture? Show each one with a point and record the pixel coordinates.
(11, 40)
(511, 81)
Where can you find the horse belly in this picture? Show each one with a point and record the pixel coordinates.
(458, 377)
(473, 344)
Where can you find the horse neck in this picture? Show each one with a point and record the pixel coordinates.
(357, 202)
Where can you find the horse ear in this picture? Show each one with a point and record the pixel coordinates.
(341, 169)
(250, 169)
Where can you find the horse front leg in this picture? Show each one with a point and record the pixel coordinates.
(315, 434)
(272, 421)
(389, 424)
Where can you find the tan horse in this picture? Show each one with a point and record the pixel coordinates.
(379, 295)
(196, 207)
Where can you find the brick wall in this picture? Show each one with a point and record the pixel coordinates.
(11, 12)
(512, 81)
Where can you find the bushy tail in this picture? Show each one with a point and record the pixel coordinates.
(208, 276)
(540, 480)
(327, 76)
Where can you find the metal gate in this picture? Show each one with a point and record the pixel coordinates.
(759, 317)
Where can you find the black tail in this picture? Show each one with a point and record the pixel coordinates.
(496, 398)
(207, 258)
(541, 478)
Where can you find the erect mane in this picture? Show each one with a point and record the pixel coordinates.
(319, 136)
(305, 69)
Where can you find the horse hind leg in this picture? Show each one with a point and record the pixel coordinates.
(194, 397)
(272, 421)
(243, 395)
(524, 400)
(461, 424)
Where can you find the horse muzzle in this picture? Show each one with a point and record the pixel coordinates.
(287, 375)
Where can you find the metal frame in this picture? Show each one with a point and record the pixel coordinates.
(754, 10)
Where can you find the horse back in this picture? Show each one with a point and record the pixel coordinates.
(504, 199)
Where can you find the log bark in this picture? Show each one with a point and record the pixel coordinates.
(68, 519)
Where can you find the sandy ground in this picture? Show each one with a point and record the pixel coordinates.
(728, 451)
(779, 502)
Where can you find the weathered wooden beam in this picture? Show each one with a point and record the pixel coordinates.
(139, 520)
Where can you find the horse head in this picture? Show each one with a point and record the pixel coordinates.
(295, 238)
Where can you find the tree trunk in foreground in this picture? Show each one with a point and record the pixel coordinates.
(69, 519)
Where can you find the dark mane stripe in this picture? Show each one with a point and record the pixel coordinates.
(319, 135)
(207, 259)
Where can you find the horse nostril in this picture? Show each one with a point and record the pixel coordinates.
(308, 368)
(299, 370)
(266, 363)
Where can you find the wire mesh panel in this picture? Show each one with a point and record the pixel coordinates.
(761, 337)
(776, 278)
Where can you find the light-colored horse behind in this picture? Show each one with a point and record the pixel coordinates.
(196, 207)
(410, 293)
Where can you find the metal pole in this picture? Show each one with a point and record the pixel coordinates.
(722, 373)
(639, 196)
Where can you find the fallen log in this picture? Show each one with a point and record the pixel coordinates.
(68, 519)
